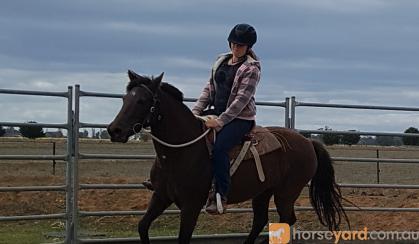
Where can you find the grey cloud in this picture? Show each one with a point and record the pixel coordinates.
(356, 51)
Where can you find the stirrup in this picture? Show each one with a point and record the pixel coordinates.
(216, 205)
(220, 208)
(210, 205)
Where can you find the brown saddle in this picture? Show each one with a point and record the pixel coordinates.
(263, 140)
(260, 137)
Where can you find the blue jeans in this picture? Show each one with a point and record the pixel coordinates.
(228, 137)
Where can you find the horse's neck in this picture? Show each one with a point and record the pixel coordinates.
(177, 125)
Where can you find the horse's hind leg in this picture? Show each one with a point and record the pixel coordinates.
(285, 208)
(155, 208)
(260, 205)
(285, 198)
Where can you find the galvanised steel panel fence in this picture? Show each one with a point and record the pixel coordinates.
(72, 187)
(68, 158)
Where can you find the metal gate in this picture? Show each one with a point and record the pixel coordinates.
(68, 157)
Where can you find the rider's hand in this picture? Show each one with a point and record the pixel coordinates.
(212, 123)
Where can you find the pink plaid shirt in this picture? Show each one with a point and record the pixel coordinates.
(241, 102)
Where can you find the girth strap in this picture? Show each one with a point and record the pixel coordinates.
(234, 164)
(258, 163)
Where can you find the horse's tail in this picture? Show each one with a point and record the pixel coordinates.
(325, 195)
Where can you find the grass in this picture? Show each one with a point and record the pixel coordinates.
(167, 225)
(30, 232)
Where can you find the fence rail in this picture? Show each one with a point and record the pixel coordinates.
(37, 93)
(32, 188)
(33, 157)
(72, 186)
(34, 217)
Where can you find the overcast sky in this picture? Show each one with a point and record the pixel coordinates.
(348, 52)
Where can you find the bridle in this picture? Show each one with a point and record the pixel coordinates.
(153, 114)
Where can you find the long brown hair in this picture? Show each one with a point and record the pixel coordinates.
(252, 54)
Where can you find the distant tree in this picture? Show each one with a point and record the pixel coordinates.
(93, 132)
(398, 141)
(367, 140)
(31, 131)
(316, 137)
(350, 139)
(413, 141)
(60, 132)
(83, 134)
(104, 134)
(305, 134)
(54, 134)
(329, 139)
(387, 141)
(2, 131)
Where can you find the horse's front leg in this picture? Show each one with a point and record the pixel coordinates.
(155, 208)
(188, 217)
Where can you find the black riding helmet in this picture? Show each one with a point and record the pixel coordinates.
(243, 34)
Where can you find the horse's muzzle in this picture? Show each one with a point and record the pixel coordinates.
(116, 134)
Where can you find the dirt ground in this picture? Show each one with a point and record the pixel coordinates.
(24, 173)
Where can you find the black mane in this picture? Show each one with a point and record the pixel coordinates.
(164, 86)
(171, 90)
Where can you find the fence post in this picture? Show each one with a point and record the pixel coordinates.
(287, 112)
(53, 161)
(292, 111)
(378, 167)
(75, 178)
(69, 169)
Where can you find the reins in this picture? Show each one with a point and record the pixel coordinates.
(173, 145)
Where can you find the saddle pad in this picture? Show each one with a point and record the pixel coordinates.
(264, 141)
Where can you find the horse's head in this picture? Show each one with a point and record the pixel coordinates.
(138, 106)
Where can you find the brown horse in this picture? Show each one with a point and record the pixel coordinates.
(183, 175)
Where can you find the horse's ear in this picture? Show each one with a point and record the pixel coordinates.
(157, 81)
(134, 76)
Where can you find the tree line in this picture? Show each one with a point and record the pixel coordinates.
(353, 139)
(33, 131)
